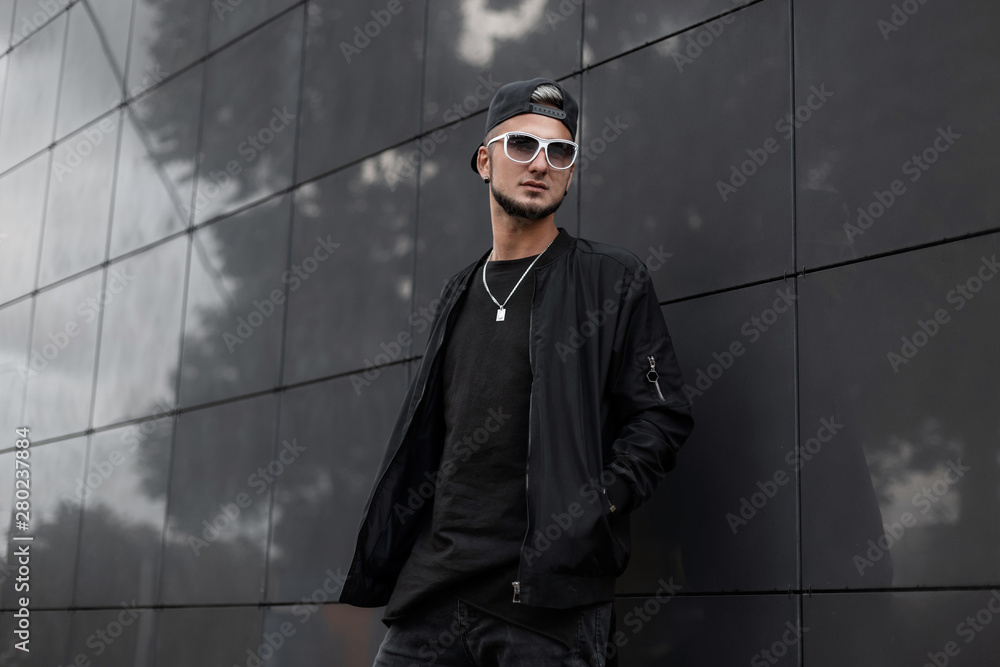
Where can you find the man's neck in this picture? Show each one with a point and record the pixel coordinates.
(515, 242)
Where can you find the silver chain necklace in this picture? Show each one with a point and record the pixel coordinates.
(500, 306)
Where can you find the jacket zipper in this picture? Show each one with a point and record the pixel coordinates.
(527, 527)
(423, 390)
(653, 376)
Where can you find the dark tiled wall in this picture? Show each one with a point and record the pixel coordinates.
(222, 226)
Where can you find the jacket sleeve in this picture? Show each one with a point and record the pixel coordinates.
(647, 397)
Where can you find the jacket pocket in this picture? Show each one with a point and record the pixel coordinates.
(608, 518)
(590, 550)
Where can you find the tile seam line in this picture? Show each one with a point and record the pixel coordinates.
(343, 374)
(676, 33)
(407, 369)
(805, 271)
(796, 329)
(621, 596)
(38, 29)
(265, 578)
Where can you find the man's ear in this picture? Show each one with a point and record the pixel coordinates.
(572, 170)
(483, 162)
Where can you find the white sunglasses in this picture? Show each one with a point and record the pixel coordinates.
(523, 148)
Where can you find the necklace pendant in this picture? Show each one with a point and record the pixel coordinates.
(500, 314)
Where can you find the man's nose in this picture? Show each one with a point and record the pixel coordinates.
(539, 164)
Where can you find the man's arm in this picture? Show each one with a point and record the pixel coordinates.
(654, 414)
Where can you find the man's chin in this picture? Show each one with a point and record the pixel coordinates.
(526, 208)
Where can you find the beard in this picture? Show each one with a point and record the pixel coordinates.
(524, 212)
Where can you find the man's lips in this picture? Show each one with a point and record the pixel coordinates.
(536, 186)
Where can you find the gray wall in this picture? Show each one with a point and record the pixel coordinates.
(217, 218)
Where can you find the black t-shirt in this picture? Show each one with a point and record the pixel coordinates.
(470, 548)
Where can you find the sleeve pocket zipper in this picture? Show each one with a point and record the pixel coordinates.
(653, 377)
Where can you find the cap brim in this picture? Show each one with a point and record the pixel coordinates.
(475, 159)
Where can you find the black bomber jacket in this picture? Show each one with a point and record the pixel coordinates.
(607, 417)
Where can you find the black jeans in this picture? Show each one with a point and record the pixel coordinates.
(454, 634)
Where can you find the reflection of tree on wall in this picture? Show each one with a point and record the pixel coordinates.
(234, 262)
(54, 541)
(929, 419)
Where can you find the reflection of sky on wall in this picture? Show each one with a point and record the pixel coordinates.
(6, 504)
(21, 199)
(14, 323)
(483, 27)
(915, 477)
(30, 99)
(60, 383)
(125, 491)
(54, 469)
(144, 316)
(156, 166)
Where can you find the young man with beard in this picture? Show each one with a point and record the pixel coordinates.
(547, 407)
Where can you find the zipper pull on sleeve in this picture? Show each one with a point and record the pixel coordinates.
(653, 376)
(517, 590)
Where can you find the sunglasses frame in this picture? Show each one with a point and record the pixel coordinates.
(542, 143)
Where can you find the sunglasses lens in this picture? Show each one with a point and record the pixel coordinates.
(521, 147)
(561, 154)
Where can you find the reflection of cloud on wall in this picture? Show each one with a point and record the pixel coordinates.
(919, 475)
(483, 28)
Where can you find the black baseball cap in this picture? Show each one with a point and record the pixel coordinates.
(514, 99)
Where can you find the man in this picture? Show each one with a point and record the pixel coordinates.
(547, 406)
